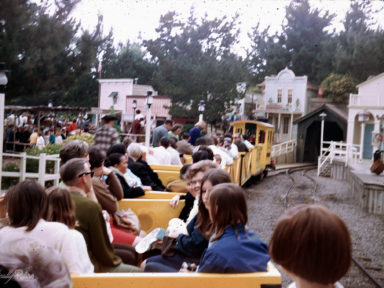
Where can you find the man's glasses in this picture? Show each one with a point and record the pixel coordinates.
(86, 173)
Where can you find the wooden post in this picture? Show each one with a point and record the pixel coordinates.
(42, 164)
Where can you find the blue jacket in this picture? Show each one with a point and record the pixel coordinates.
(194, 244)
(235, 254)
(194, 133)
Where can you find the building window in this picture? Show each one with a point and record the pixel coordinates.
(289, 96)
(286, 125)
(279, 95)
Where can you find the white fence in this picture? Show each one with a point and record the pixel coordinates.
(283, 148)
(42, 175)
(337, 151)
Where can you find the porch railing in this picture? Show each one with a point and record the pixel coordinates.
(283, 148)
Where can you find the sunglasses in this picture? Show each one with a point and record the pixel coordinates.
(86, 173)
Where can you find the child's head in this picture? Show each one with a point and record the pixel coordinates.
(60, 207)
(211, 178)
(227, 206)
(218, 159)
(312, 243)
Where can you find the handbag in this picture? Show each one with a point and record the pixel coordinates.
(169, 246)
(127, 220)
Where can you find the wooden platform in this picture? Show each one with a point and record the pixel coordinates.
(366, 187)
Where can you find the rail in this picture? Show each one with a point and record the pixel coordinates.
(284, 148)
(340, 151)
(42, 175)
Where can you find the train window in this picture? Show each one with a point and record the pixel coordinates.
(261, 136)
(250, 131)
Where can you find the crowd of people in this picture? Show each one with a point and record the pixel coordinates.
(23, 131)
(78, 224)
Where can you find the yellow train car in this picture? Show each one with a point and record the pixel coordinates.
(257, 161)
(154, 213)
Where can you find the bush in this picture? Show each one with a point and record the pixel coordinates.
(7, 182)
(338, 87)
(85, 137)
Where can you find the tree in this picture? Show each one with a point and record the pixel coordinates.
(268, 54)
(127, 62)
(306, 39)
(48, 61)
(195, 62)
(338, 87)
(359, 51)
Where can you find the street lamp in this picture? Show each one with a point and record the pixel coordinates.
(3, 82)
(134, 106)
(149, 102)
(322, 116)
(201, 110)
(50, 103)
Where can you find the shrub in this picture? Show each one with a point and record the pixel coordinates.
(85, 137)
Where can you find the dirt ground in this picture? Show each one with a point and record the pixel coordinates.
(265, 205)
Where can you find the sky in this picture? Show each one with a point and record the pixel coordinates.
(131, 18)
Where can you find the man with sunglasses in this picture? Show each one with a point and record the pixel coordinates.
(76, 174)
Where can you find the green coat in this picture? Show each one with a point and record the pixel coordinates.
(90, 222)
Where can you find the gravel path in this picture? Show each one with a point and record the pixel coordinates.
(265, 205)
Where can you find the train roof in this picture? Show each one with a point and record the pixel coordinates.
(252, 122)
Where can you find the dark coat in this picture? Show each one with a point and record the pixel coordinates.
(147, 176)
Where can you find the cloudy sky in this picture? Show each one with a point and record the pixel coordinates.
(131, 18)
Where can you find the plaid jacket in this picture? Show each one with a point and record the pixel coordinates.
(105, 137)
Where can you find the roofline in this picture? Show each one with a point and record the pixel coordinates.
(370, 80)
(322, 107)
(114, 80)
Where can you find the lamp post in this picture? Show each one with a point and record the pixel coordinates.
(50, 103)
(149, 102)
(3, 82)
(134, 106)
(201, 110)
(322, 116)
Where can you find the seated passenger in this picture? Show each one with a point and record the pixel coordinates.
(141, 168)
(175, 155)
(105, 183)
(161, 156)
(194, 176)
(232, 247)
(313, 246)
(183, 147)
(26, 203)
(76, 175)
(189, 248)
(61, 209)
(239, 143)
(118, 163)
(132, 179)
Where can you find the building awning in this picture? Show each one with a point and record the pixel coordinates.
(113, 94)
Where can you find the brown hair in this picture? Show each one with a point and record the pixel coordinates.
(73, 149)
(26, 203)
(229, 201)
(60, 207)
(200, 166)
(313, 243)
(215, 176)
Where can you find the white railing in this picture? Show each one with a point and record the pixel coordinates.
(332, 150)
(41, 175)
(366, 99)
(283, 148)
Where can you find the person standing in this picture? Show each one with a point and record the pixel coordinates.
(195, 132)
(106, 135)
(160, 132)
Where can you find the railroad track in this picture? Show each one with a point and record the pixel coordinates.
(298, 193)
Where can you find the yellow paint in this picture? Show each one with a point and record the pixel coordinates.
(159, 195)
(152, 213)
(185, 280)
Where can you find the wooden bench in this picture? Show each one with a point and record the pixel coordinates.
(159, 195)
(152, 213)
(270, 279)
(167, 173)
